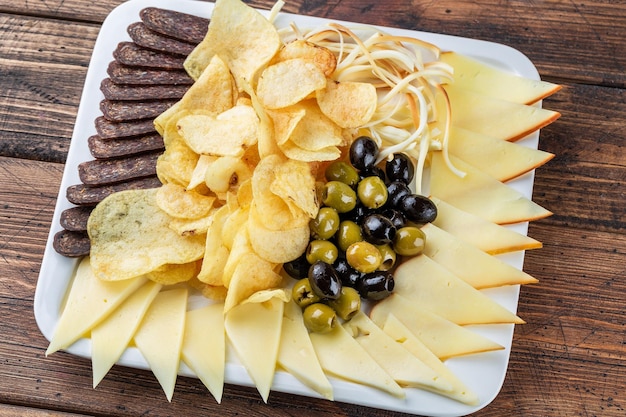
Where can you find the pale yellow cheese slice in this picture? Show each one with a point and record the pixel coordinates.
(501, 159)
(443, 337)
(481, 194)
(494, 117)
(253, 329)
(343, 357)
(485, 235)
(111, 337)
(90, 300)
(159, 337)
(296, 354)
(474, 75)
(469, 263)
(426, 283)
(204, 346)
(399, 332)
(406, 369)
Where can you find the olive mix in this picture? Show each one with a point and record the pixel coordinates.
(368, 217)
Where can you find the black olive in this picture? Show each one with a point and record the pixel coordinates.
(397, 218)
(363, 153)
(298, 268)
(418, 209)
(374, 171)
(395, 191)
(376, 285)
(349, 276)
(358, 213)
(400, 168)
(324, 280)
(378, 229)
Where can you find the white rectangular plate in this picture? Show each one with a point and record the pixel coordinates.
(484, 373)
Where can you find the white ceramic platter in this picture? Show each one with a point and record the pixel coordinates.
(484, 372)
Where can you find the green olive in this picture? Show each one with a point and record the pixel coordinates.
(342, 171)
(303, 294)
(319, 318)
(321, 250)
(364, 257)
(339, 196)
(349, 232)
(372, 192)
(389, 257)
(348, 303)
(325, 224)
(409, 241)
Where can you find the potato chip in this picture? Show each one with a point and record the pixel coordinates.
(322, 57)
(226, 172)
(295, 184)
(252, 274)
(198, 176)
(227, 134)
(179, 203)
(171, 274)
(232, 224)
(277, 246)
(212, 292)
(348, 104)
(187, 227)
(213, 93)
(215, 253)
(285, 121)
(241, 36)
(239, 249)
(177, 163)
(130, 223)
(289, 82)
(315, 131)
(293, 151)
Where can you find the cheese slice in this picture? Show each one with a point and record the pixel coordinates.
(296, 354)
(399, 332)
(443, 337)
(494, 117)
(481, 194)
(472, 265)
(204, 346)
(343, 357)
(253, 329)
(159, 337)
(431, 286)
(479, 77)
(406, 369)
(110, 338)
(500, 159)
(485, 235)
(90, 301)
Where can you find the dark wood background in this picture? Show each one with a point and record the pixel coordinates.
(569, 360)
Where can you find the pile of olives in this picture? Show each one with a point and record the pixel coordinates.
(368, 217)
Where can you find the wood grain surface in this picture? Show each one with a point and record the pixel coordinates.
(570, 357)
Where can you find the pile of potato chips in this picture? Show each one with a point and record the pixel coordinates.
(243, 150)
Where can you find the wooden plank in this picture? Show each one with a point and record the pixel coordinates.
(556, 35)
(15, 410)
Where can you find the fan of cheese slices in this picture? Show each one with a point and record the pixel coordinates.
(243, 150)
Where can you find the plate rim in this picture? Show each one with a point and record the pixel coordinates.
(48, 283)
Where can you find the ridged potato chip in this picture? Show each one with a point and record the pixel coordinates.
(130, 222)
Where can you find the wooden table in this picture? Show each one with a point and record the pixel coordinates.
(569, 360)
